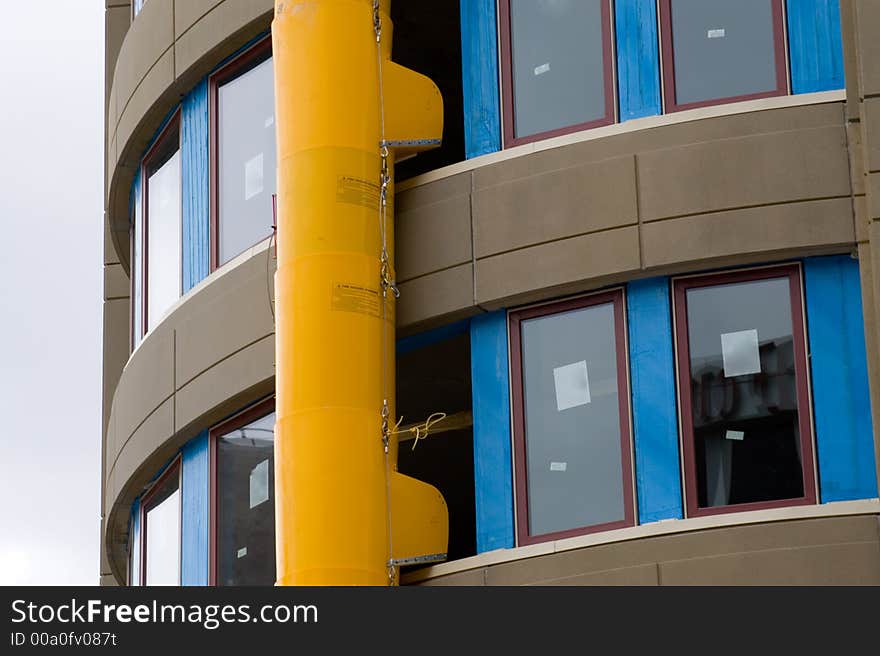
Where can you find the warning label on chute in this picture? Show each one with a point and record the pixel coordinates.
(356, 191)
(348, 297)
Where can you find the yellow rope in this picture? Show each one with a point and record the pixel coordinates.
(419, 431)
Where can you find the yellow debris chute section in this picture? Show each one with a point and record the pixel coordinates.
(345, 112)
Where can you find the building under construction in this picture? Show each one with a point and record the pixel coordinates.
(491, 292)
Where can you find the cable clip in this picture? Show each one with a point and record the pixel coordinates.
(377, 21)
(387, 281)
(386, 429)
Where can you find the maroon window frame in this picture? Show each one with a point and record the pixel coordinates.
(616, 298)
(160, 148)
(173, 469)
(243, 418)
(667, 51)
(239, 65)
(508, 109)
(805, 425)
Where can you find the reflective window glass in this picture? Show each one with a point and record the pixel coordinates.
(246, 159)
(558, 63)
(246, 501)
(722, 49)
(161, 531)
(163, 237)
(574, 423)
(746, 384)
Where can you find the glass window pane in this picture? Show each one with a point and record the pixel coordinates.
(558, 64)
(722, 49)
(163, 534)
(163, 239)
(137, 265)
(572, 420)
(246, 159)
(246, 504)
(744, 393)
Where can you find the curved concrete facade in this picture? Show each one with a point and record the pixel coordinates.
(761, 181)
(745, 187)
(168, 48)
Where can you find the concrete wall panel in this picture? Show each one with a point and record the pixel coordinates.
(600, 256)
(555, 205)
(433, 227)
(757, 170)
(754, 231)
(244, 18)
(446, 294)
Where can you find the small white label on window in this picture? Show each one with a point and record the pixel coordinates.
(543, 68)
(259, 484)
(253, 177)
(241, 553)
(269, 121)
(734, 435)
(740, 354)
(572, 385)
(716, 34)
(558, 466)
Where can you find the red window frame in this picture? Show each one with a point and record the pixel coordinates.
(805, 424)
(667, 53)
(173, 469)
(250, 414)
(239, 65)
(508, 109)
(515, 318)
(159, 148)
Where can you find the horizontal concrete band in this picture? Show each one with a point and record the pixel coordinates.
(835, 543)
(673, 196)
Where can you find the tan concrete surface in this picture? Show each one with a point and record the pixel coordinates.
(555, 205)
(819, 551)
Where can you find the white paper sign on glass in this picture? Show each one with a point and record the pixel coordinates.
(558, 466)
(572, 385)
(259, 484)
(739, 352)
(253, 177)
(734, 435)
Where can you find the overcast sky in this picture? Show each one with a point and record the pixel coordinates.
(51, 185)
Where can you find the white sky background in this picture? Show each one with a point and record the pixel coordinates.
(51, 186)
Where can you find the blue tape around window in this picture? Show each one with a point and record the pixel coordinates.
(493, 468)
(479, 56)
(655, 423)
(838, 363)
(194, 511)
(194, 139)
(815, 45)
(638, 58)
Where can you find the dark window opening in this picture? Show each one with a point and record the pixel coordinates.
(243, 498)
(746, 432)
(427, 39)
(437, 378)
